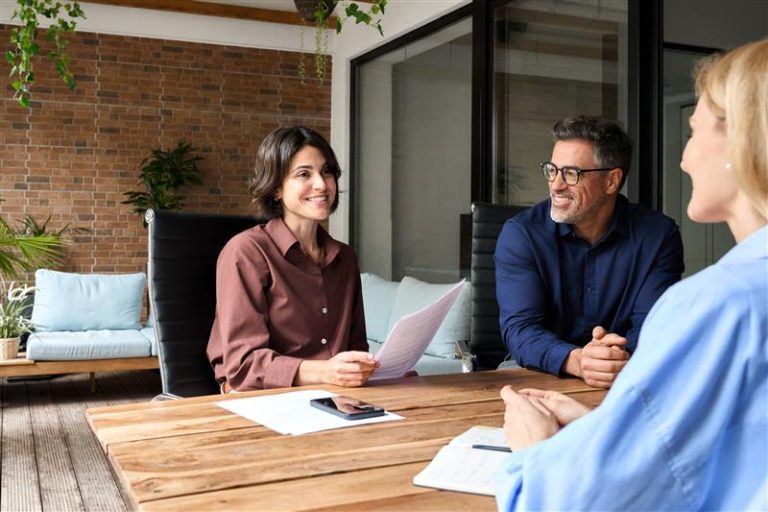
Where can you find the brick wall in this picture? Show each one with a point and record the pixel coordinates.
(73, 153)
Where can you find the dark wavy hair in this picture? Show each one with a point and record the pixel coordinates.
(273, 159)
(613, 147)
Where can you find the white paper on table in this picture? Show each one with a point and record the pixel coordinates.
(459, 467)
(290, 413)
(482, 435)
(411, 335)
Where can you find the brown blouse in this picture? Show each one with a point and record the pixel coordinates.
(276, 307)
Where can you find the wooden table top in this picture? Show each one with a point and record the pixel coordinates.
(193, 455)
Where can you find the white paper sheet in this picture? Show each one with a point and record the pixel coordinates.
(487, 436)
(459, 467)
(411, 335)
(290, 413)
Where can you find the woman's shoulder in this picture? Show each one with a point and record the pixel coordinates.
(249, 243)
(716, 286)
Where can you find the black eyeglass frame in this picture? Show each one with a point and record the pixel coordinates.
(551, 177)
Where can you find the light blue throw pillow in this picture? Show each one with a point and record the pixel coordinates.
(413, 295)
(82, 302)
(378, 299)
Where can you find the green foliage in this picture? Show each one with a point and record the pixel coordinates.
(25, 45)
(21, 251)
(32, 227)
(353, 11)
(323, 11)
(161, 175)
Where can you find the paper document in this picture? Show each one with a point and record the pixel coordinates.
(459, 467)
(411, 335)
(479, 435)
(290, 413)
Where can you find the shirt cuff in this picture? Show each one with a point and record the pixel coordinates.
(281, 372)
(557, 356)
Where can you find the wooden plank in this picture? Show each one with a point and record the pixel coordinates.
(58, 486)
(221, 461)
(426, 501)
(81, 366)
(19, 484)
(205, 457)
(197, 415)
(378, 487)
(214, 9)
(98, 488)
(406, 392)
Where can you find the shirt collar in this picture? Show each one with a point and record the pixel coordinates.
(755, 246)
(619, 221)
(283, 237)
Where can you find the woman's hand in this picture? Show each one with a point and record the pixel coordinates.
(526, 420)
(564, 408)
(349, 369)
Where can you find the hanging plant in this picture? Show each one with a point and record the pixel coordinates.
(320, 11)
(25, 45)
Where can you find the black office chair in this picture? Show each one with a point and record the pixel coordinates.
(183, 249)
(485, 337)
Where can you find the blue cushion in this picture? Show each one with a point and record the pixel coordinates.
(413, 295)
(75, 346)
(82, 302)
(378, 299)
(149, 333)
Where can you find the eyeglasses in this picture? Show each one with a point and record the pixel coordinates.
(571, 175)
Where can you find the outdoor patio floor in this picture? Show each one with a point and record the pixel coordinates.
(49, 458)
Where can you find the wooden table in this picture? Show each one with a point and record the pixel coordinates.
(193, 455)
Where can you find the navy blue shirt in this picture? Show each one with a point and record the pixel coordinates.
(553, 288)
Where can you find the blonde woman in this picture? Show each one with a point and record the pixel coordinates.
(685, 425)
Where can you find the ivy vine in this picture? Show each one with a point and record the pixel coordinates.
(25, 45)
(319, 11)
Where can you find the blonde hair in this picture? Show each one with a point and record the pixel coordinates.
(736, 86)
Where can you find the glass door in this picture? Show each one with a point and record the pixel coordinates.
(551, 59)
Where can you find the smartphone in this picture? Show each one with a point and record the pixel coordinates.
(347, 408)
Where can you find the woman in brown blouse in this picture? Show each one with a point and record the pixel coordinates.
(289, 303)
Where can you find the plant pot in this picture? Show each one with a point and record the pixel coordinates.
(307, 8)
(9, 348)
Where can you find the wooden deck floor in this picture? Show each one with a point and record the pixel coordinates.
(49, 459)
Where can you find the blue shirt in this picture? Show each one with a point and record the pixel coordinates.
(553, 288)
(685, 425)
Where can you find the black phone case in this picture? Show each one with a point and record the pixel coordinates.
(316, 403)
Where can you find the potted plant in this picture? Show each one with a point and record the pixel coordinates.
(13, 321)
(162, 173)
(25, 44)
(319, 12)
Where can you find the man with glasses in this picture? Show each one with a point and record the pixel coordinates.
(577, 273)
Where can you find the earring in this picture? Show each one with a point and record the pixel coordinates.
(728, 165)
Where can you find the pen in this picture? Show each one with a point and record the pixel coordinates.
(491, 447)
